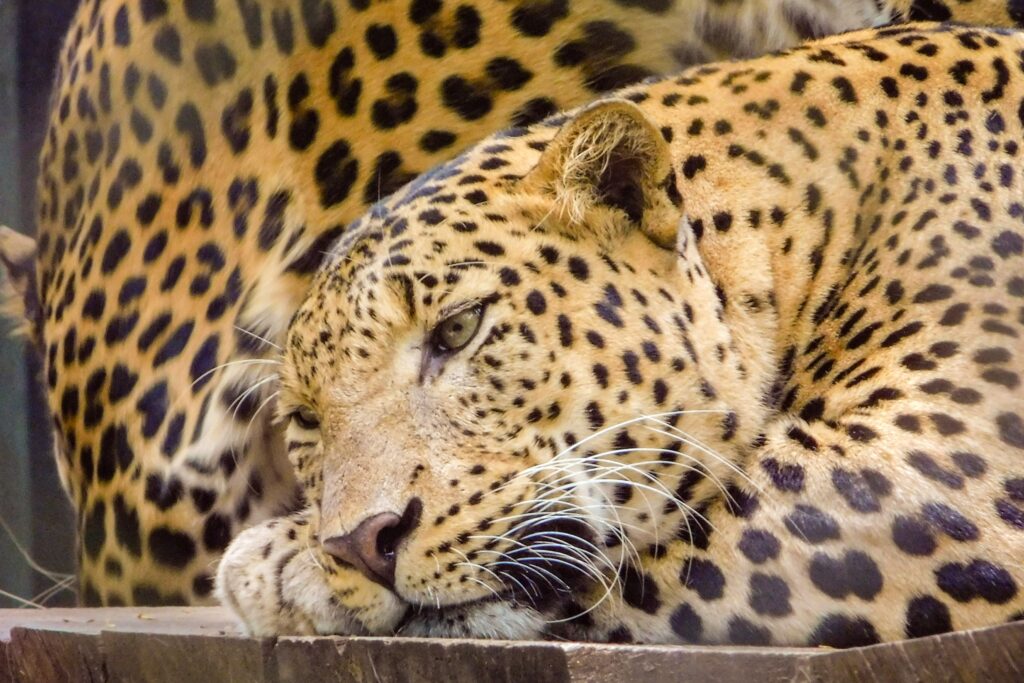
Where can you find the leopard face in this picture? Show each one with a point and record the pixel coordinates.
(489, 390)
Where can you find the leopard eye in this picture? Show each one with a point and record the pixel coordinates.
(454, 332)
(305, 418)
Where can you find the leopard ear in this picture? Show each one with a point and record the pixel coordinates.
(609, 171)
(19, 299)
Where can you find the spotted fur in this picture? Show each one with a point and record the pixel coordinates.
(747, 370)
(201, 157)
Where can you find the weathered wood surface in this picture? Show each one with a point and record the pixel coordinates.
(201, 645)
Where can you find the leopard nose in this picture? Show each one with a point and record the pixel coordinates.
(372, 547)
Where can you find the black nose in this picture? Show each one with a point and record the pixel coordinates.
(372, 547)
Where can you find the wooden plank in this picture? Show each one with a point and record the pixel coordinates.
(158, 645)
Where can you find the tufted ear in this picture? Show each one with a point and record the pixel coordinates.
(18, 297)
(609, 170)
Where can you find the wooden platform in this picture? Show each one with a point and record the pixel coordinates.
(201, 645)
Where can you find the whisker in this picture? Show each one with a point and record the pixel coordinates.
(237, 403)
(232, 363)
(24, 602)
(258, 337)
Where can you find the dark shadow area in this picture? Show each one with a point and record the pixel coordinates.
(32, 504)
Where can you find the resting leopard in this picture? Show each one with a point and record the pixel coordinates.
(201, 157)
(733, 356)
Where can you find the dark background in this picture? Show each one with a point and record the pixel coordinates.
(33, 507)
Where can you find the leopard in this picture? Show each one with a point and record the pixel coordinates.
(203, 155)
(729, 357)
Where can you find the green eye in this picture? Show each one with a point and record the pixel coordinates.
(305, 418)
(456, 331)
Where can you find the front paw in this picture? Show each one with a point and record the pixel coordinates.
(277, 582)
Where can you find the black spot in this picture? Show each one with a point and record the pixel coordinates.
(335, 173)
(620, 634)
(854, 573)
(841, 631)
(172, 438)
(174, 344)
(216, 532)
(533, 111)
(535, 19)
(203, 499)
(94, 529)
(284, 30)
(686, 623)
(320, 21)
(507, 73)
(94, 305)
(913, 536)
(845, 90)
(344, 90)
(970, 464)
(467, 27)
(273, 220)
(171, 548)
(810, 524)
(235, 121)
(856, 490)
(704, 577)
(153, 406)
(126, 527)
(202, 585)
(744, 632)
(785, 477)
(381, 40)
(739, 503)
(164, 493)
(122, 381)
(115, 252)
(977, 579)
(639, 590)
(122, 30)
(461, 96)
(147, 209)
(252, 20)
(927, 616)
(152, 9)
(759, 545)
(769, 595)
(216, 63)
(422, 10)
(693, 165)
(190, 124)
(146, 594)
(202, 11)
(436, 140)
(929, 10)
(400, 104)
(926, 465)
(1011, 429)
(803, 438)
(950, 522)
(203, 363)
